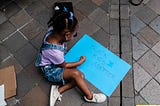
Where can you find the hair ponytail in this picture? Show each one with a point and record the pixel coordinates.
(62, 19)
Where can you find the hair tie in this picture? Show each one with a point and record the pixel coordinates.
(71, 16)
(71, 13)
(56, 8)
(65, 9)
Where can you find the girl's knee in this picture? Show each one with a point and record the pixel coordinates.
(82, 75)
(77, 73)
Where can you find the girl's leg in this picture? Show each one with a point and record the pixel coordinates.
(67, 86)
(78, 77)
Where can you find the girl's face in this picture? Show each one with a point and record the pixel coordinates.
(69, 35)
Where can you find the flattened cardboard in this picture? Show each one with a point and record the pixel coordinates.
(8, 78)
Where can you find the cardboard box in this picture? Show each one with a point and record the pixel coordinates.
(8, 78)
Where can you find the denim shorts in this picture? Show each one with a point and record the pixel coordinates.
(53, 73)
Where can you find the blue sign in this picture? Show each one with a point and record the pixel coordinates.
(102, 68)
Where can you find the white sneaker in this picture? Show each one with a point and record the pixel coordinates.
(97, 98)
(54, 95)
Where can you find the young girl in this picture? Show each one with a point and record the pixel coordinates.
(63, 27)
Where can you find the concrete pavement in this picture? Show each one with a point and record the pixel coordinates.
(136, 39)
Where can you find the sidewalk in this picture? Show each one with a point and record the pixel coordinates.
(145, 29)
(23, 24)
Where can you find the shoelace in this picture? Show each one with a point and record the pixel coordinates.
(95, 97)
(59, 97)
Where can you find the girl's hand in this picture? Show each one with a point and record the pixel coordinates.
(82, 59)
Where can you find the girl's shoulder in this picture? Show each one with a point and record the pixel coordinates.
(49, 31)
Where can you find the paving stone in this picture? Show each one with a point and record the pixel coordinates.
(44, 84)
(135, 1)
(39, 12)
(86, 7)
(98, 2)
(12, 61)
(34, 72)
(86, 26)
(91, 87)
(114, 13)
(114, 43)
(134, 9)
(124, 11)
(156, 49)
(20, 18)
(50, 3)
(15, 42)
(125, 23)
(158, 77)
(75, 2)
(35, 7)
(127, 56)
(148, 36)
(146, 14)
(154, 5)
(134, 61)
(155, 24)
(150, 62)
(139, 100)
(24, 83)
(146, 1)
(37, 40)
(11, 9)
(126, 39)
(32, 29)
(4, 53)
(6, 29)
(124, 2)
(114, 101)
(115, 7)
(138, 48)
(102, 37)
(114, 2)
(43, 17)
(35, 97)
(23, 3)
(70, 98)
(105, 6)
(151, 92)
(3, 18)
(78, 15)
(141, 77)
(127, 85)
(128, 101)
(27, 53)
(116, 92)
(136, 24)
(96, 16)
(95, 104)
(114, 26)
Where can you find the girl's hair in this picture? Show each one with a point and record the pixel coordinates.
(62, 19)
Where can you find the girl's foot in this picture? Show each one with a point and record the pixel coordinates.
(97, 98)
(54, 95)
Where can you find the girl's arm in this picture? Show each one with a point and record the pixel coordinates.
(73, 64)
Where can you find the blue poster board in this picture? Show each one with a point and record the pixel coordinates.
(102, 68)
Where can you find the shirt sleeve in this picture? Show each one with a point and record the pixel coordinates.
(54, 56)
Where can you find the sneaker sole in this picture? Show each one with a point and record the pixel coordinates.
(51, 97)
